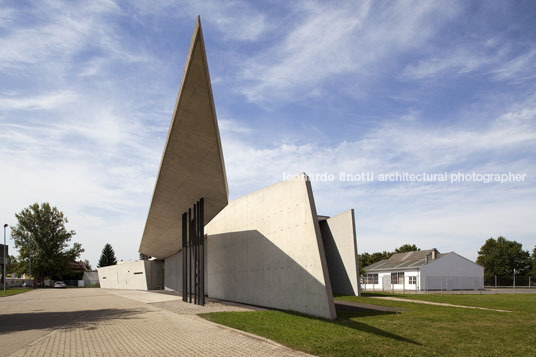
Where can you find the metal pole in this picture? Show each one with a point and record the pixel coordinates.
(4, 272)
(514, 281)
(202, 237)
(190, 253)
(184, 256)
(495, 284)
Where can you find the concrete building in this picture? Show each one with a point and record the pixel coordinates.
(137, 275)
(268, 248)
(423, 271)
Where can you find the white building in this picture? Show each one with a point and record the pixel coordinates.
(422, 271)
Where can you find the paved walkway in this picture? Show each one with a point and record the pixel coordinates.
(436, 303)
(97, 322)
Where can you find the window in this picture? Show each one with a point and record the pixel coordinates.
(371, 278)
(412, 280)
(397, 278)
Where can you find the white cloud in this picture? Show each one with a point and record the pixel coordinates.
(46, 101)
(349, 39)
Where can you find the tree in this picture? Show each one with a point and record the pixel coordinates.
(533, 273)
(40, 235)
(367, 259)
(87, 264)
(407, 248)
(500, 257)
(144, 257)
(107, 257)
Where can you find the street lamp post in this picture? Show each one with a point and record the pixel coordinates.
(5, 261)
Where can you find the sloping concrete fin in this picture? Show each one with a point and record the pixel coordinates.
(338, 235)
(192, 164)
(266, 249)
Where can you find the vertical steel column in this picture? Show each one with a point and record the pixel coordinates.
(202, 238)
(196, 261)
(193, 250)
(184, 262)
(190, 254)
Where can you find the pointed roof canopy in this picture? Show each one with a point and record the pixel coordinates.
(192, 164)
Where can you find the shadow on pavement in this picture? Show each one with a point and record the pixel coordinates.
(59, 320)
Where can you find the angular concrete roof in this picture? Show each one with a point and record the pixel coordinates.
(192, 164)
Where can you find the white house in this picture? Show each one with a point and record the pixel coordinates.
(423, 270)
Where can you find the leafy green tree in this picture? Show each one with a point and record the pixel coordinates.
(534, 263)
(107, 257)
(87, 264)
(500, 257)
(367, 259)
(407, 248)
(41, 234)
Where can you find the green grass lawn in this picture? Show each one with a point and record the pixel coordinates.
(419, 330)
(13, 291)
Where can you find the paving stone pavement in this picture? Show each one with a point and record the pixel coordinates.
(93, 322)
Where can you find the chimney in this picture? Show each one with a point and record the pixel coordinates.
(434, 254)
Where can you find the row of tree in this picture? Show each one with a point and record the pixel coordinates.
(499, 257)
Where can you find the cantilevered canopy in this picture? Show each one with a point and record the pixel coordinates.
(192, 163)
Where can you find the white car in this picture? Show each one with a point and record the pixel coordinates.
(59, 284)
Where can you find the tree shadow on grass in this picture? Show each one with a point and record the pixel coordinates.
(62, 320)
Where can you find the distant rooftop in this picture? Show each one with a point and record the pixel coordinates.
(409, 260)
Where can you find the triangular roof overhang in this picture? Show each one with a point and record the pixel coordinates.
(192, 164)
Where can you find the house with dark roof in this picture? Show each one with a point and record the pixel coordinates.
(423, 270)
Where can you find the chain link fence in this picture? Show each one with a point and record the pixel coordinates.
(450, 284)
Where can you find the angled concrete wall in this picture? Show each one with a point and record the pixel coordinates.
(138, 275)
(266, 249)
(338, 235)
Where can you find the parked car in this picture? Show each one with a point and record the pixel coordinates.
(59, 284)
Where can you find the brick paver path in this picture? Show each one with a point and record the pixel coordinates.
(93, 322)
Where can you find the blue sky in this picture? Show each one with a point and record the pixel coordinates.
(87, 91)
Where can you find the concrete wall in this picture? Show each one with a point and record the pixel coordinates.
(266, 249)
(154, 272)
(173, 272)
(90, 277)
(338, 236)
(138, 275)
(452, 272)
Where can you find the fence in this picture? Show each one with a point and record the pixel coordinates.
(420, 284)
(450, 284)
(521, 283)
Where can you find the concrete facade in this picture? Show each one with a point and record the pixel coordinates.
(263, 249)
(340, 246)
(266, 249)
(192, 164)
(138, 275)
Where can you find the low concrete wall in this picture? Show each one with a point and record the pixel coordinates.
(138, 275)
(266, 249)
(338, 235)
